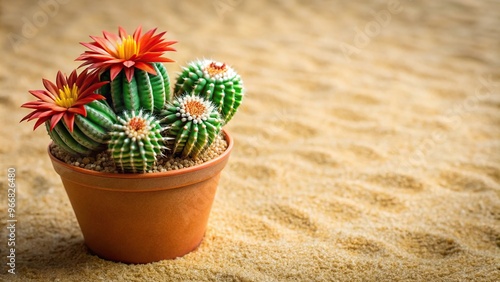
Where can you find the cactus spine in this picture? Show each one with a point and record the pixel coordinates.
(144, 91)
(214, 81)
(89, 134)
(193, 123)
(136, 141)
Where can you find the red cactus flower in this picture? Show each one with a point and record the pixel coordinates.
(65, 99)
(127, 52)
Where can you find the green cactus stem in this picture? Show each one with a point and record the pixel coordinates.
(144, 91)
(214, 81)
(90, 133)
(136, 141)
(193, 123)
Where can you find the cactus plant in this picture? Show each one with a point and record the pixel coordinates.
(127, 71)
(193, 123)
(133, 65)
(144, 91)
(136, 141)
(89, 133)
(144, 130)
(74, 117)
(214, 81)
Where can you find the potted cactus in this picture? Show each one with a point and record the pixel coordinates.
(139, 160)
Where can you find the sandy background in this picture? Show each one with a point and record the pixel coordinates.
(373, 158)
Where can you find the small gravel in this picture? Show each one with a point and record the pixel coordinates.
(104, 163)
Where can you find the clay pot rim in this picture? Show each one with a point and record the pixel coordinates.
(176, 172)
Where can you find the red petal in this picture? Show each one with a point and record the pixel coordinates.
(58, 108)
(90, 98)
(100, 65)
(86, 80)
(145, 39)
(106, 45)
(69, 119)
(146, 45)
(121, 32)
(99, 57)
(42, 95)
(84, 63)
(40, 105)
(82, 80)
(39, 114)
(44, 114)
(110, 36)
(78, 110)
(37, 105)
(28, 116)
(129, 64)
(51, 87)
(94, 48)
(129, 73)
(145, 67)
(72, 78)
(61, 80)
(90, 91)
(114, 71)
(137, 33)
(113, 61)
(55, 119)
(164, 60)
(41, 121)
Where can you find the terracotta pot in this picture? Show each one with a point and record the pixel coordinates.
(142, 218)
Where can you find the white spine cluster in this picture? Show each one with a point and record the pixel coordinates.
(193, 108)
(137, 130)
(210, 71)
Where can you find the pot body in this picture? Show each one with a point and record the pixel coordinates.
(142, 218)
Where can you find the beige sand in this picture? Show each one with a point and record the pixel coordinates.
(379, 165)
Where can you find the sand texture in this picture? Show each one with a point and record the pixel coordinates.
(364, 151)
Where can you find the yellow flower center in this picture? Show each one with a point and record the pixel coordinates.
(127, 48)
(67, 96)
